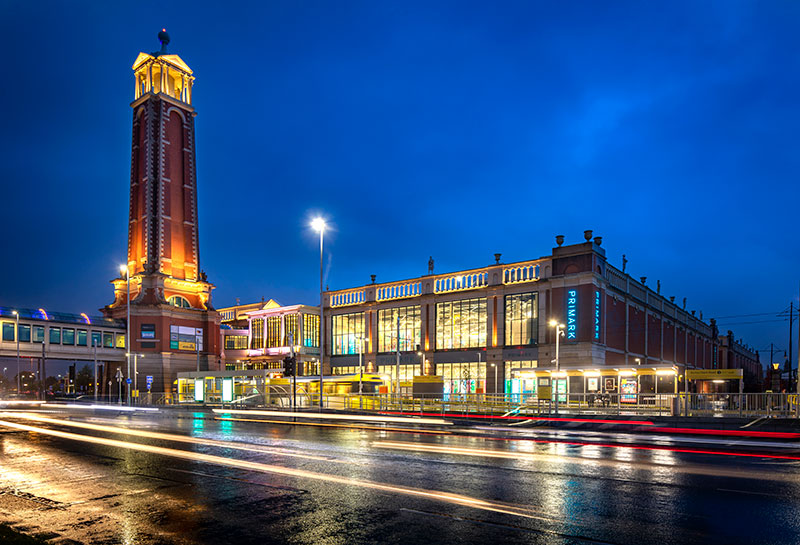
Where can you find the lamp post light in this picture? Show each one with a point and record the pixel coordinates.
(136, 371)
(360, 371)
(16, 336)
(94, 346)
(124, 269)
(776, 378)
(318, 224)
(638, 379)
(559, 333)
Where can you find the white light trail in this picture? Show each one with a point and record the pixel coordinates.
(436, 495)
(167, 436)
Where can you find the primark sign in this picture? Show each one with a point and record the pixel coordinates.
(572, 315)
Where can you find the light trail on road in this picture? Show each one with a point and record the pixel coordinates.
(331, 416)
(436, 495)
(167, 437)
(574, 459)
(345, 426)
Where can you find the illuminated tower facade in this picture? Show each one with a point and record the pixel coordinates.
(172, 321)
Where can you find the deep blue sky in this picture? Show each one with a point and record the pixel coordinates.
(452, 129)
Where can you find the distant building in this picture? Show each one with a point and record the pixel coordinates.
(260, 335)
(734, 354)
(487, 329)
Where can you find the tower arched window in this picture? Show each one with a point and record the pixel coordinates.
(178, 301)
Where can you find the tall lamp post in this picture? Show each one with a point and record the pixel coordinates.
(16, 336)
(559, 333)
(360, 371)
(124, 269)
(318, 224)
(495, 378)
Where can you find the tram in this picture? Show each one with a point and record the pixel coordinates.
(255, 387)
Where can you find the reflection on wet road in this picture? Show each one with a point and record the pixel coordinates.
(206, 478)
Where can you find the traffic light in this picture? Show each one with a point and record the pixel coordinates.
(289, 366)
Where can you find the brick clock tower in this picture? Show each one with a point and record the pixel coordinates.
(172, 322)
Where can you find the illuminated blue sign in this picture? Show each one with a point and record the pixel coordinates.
(597, 315)
(572, 315)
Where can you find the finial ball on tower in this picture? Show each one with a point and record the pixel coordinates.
(163, 37)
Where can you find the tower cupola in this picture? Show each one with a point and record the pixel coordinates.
(160, 72)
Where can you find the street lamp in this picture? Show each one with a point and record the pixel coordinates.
(318, 224)
(124, 269)
(16, 335)
(559, 333)
(360, 370)
(776, 378)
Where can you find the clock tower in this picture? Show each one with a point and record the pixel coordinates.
(172, 323)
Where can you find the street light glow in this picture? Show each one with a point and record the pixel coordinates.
(318, 224)
(123, 269)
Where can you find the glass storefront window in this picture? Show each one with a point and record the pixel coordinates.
(24, 333)
(274, 339)
(461, 324)
(522, 319)
(97, 339)
(517, 381)
(120, 340)
(236, 342)
(311, 330)
(8, 331)
(410, 329)
(407, 372)
(346, 329)
(463, 378)
(290, 330)
(55, 335)
(257, 333)
(108, 340)
(38, 334)
(82, 337)
(68, 336)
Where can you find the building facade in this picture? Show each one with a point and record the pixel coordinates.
(172, 321)
(734, 354)
(261, 335)
(488, 329)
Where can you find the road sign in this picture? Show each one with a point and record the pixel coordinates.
(710, 374)
(149, 381)
(128, 381)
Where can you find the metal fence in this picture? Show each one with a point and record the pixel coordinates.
(521, 405)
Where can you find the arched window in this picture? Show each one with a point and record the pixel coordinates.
(178, 301)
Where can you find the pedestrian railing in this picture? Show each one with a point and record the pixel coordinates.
(495, 406)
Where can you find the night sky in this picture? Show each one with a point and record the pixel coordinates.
(451, 129)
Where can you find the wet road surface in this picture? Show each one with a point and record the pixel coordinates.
(205, 478)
